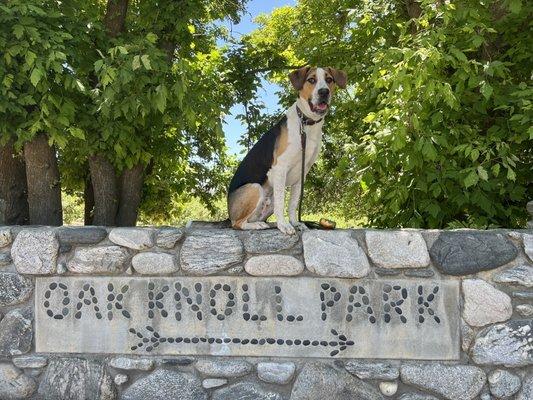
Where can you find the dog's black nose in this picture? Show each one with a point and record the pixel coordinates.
(324, 92)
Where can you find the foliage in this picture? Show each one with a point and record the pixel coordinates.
(435, 128)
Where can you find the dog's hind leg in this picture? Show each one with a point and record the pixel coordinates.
(245, 205)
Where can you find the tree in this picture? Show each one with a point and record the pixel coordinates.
(435, 129)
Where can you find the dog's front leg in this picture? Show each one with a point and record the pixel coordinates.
(277, 176)
(293, 205)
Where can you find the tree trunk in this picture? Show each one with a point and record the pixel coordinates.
(115, 17)
(13, 188)
(105, 191)
(44, 186)
(131, 184)
(88, 201)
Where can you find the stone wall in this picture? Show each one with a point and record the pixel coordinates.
(209, 313)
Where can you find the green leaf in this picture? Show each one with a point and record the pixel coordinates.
(486, 89)
(495, 169)
(77, 133)
(36, 76)
(482, 173)
(98, 65)
(151, 37)
(474, 155)
(18, 31)
(471, 179)
(30, 57)
(136, 64)
(146, 61)
(511, 175)
(515, 6)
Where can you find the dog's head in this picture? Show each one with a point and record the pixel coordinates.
(316, 86)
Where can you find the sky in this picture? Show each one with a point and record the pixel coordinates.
(233, 128)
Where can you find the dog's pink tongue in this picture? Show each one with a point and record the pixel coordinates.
(322, 106)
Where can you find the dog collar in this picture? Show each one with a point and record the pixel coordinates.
(306, 120)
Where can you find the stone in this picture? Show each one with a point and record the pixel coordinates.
(5, 258)
(211, 383)
(5, 236)
(278, 373)
(14, 289)
(121, 379)
(469, 252)
(165, 384)
(268, 241)
(209, 252)
(526, 393)
(155, 263)
(16, 332)
(35, 251)
(14, 385)
(245, 391)
(133, 238)
(70, 235)
(528, 245)
(318, 381)
(453, 382)
(273, 265)
(167, 237)
(373, 370)
(334, 253)
(397, 249)
(95, 260)
(76, 379)
(509, 344)
(503, 384)
(525, 310)
(388, 388)
(520, 275)
(523, 295)
(467, 336)
(419, 273)
(386, 271)
(128, 363)
(417, 396)
(224, 369)
(484, 304)
(31, 361)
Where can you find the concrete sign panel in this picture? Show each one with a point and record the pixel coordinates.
(245, 316)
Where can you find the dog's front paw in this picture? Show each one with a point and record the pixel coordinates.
(298, 225)
(286, 228)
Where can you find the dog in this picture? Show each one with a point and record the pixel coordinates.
(257, 190)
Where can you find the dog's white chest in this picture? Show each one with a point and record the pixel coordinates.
(312, 148)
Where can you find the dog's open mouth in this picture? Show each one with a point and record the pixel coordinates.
(319, 108)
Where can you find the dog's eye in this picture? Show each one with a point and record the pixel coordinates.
(311, 81)
(329, 79)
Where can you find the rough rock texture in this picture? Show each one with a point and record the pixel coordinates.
(503, 384)
(373, 370)
(5, 236)
(274, 265)
(417, 396)
(94, 260)
(5, 258)
(397, 249)
(16, 332)
(468, 252)
(268, 241)
(520, 275)
(208, 252)
(142, 364)
(526, 393)
(318, 381)
(14, 385)
(388, 388)
(120, 379)
(528, 245)
(30, 361)
(484, 304)
(509, 344)
(245, 391)
(14, 289)
(467, 336)
(525, 310)
(76, 379)
(211, 383)
(165, 384)
(133, 238)
(168, 237)
(35, 250)
(278, 373)
(154, 263)
(453, 382)
(81, 235)
(224, 369)
(334, 253)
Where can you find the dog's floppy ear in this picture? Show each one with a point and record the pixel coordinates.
(339, 76)
(298, 77)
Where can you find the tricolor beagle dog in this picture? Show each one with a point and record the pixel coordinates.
(257, 189)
